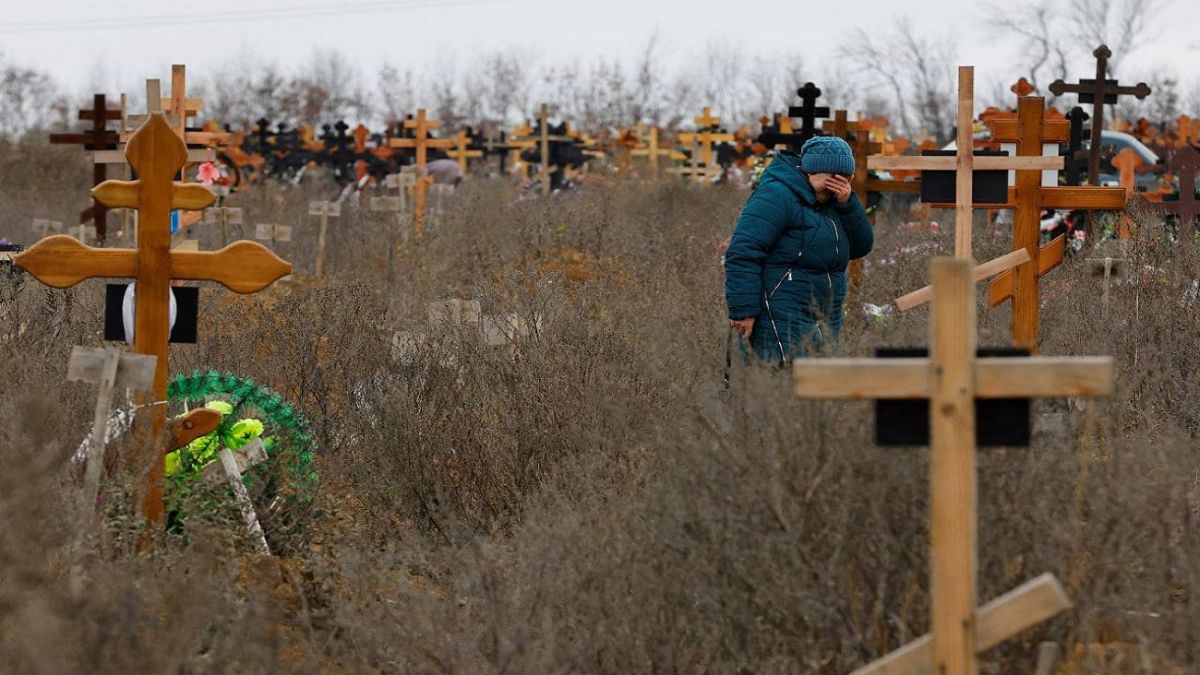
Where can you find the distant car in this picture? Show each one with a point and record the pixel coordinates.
(1111, 145)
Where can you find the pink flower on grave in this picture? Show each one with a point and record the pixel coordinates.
(1080, 235)
(208, 173)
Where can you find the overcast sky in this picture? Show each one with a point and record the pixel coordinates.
(408, 32)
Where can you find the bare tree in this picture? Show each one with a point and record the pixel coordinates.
(28, 99)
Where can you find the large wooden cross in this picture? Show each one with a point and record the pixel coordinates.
(707, 135)
(157, 154)
(1031, 133)
(952, 378)
(1098, 91)
(964, 163)
(97, 139)
(420, 142)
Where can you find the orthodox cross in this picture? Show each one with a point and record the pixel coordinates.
(543, 139)
(707, 135)
(1186, 163)
(157, 155)
(462, 151)
(964, 163)
(1098, 91)
(97, 139)
(1127, 163)
(1022, 88)
(420, 142)
(1187, 130)
(652, 151)
(952, 379)
(1018, 278)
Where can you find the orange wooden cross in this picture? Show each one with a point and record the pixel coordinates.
(1127, 162)
(1187, 130)
(463, 152)
(157, 154)
(1032, 132)
(421, 142)
(360, 134)
(1022, 88)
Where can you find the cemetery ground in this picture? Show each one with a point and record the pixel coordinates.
(592, 498)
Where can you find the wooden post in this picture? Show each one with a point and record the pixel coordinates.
(245, 505)
(108, 368)
(1027, 232)
(326, 210)
(98, 139)
(952, 466)
(157, 155)
(952, 378)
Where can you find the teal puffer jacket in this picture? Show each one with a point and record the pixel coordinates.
(782, 226)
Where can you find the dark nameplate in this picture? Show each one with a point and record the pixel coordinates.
(938, 187)
(998, 422)
(187, 309)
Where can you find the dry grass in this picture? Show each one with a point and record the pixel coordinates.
(593, 502)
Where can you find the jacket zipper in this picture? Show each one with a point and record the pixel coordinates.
(837, 253)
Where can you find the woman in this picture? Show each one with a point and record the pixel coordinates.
(785, 268)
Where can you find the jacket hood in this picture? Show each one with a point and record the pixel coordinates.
(785, 168)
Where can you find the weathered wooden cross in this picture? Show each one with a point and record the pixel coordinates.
(224, 216)
(272, 233)
(157, 155)
(421, 142)
(652, 151)
(1098, 91)
(326, 210)
(97, 139)
(952, 378)
(1185, 161)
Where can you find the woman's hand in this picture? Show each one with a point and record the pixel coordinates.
(744, 327)
(841, 188)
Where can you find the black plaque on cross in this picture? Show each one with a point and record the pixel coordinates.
(1098, 91)
(989, 187)
(999, 421)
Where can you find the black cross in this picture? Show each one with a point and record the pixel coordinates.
(1098, 91)
(1076, 158)
(809, 112)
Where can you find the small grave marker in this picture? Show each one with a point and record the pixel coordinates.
(223, 216)
(326, 210)
(1185, 161)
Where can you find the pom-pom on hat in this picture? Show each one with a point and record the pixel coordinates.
(826, 154)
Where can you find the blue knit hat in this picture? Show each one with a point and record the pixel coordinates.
(826, 154)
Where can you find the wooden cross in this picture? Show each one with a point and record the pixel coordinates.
(462, 151)
(97, 139)
(1127, 163)
(1185, 161)
(964, 163)
(1022, 88)
(223, 216)
(543, 141)
(157, 155)
(326, 210)
(706, 136)
(1031, 132)
(154, 101)
(1187, 130)
(651, 150)
(1098, 91)
(952, 378)
(420, 142)
(272, 233)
